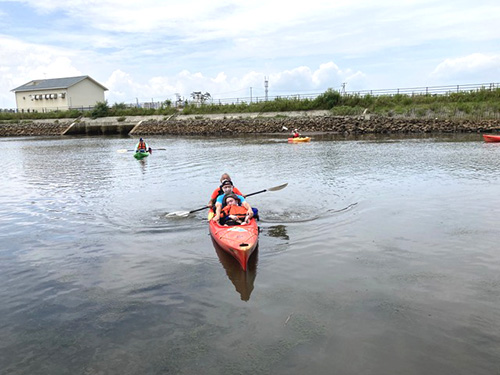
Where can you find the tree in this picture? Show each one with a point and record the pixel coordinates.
(205, 97)
(200, 98)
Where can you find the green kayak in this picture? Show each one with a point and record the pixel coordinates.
(141, 154)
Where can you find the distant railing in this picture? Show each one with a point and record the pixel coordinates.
(425, 90)
(430, 90)
(48, 109)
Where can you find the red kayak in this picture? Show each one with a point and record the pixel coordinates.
(491, 138)
(238, 240)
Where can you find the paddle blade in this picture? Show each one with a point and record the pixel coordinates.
(122, 151)
(178, 214)
(275, 188)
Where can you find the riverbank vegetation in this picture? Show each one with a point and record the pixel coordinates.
(477, 104)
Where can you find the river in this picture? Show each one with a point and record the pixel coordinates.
(379, 257)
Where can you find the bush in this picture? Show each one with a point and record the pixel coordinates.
(327, 100)
(101, 109)
(344, 110)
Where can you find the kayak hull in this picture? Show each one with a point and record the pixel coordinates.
(299, 139)
(237, 240)
(141, 155)
(491, 138)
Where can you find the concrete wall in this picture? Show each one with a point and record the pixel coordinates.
(42, 100)
(84, 94)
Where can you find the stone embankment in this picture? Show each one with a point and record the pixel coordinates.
(33, 128)
(247, 124)
(322, 124)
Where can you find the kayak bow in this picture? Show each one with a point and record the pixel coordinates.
(238, 240)
(491, 138)
(141, 154)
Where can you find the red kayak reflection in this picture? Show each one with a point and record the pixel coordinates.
(242, 280)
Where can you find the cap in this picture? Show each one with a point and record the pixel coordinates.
(140, 139)
(226, 182)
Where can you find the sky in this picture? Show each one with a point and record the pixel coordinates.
(151, 50)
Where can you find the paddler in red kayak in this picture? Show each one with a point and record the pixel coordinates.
(227, 188)
(219, 191)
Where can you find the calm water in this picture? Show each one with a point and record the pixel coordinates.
(380, 257)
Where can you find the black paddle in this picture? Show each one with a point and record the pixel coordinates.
(186, 213)
(121, 151)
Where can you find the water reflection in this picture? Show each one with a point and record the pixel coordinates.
(142, 164)
(94, 277)
(278, 231)
(242, 280)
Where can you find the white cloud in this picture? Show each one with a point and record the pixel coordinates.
(123, 88)
(474, 65)
(154, 49)
(23, 62)
(303, 78)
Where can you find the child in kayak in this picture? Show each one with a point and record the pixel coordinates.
(227, 188)
(295, 133)
(233, 213)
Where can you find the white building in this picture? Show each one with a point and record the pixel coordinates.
(45, 95)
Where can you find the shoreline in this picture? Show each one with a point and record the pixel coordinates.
(257, 123)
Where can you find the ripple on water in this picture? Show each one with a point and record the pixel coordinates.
(371, 244)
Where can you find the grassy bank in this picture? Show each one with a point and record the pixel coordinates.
(478, 104)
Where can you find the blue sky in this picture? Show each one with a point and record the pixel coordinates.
(152, 49)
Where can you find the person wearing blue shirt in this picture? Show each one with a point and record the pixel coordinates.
(227, 188)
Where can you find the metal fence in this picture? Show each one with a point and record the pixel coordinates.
(424, 90)
(48, 109)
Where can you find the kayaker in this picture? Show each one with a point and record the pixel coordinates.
(233, 213)
(218, 191)
(227, 188)
(142, 146)
(295, 133)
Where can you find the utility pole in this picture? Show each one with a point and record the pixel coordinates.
(266, 84)
(343, 88)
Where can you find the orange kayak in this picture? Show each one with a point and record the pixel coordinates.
(238, 240)
(491, 138)
(299, 139)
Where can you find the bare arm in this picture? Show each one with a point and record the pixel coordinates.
(249, 209)
(218, 208)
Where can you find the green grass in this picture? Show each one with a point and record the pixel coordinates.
(480, 104)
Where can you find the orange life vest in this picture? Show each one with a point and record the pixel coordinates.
(239, 211)
(141, 146)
